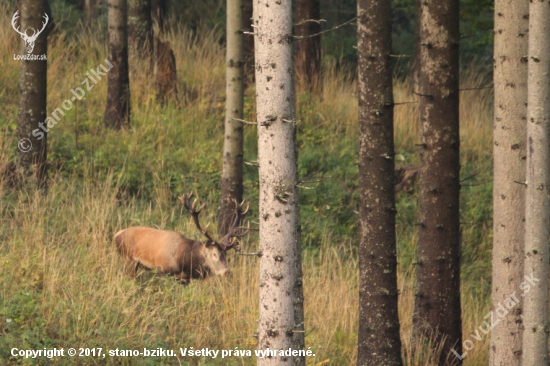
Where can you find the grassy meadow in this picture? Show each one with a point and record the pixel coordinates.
(61, 281)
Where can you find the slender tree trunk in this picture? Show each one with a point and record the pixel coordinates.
(91, 11)
(140, 27)
(437, 303)
(299, 338)
(232, 170)
(117, 112)
(31, 128)
(379, 342)
(537, 214)
(277, 174)
(248, 42)
(308, 50)
(510, 88)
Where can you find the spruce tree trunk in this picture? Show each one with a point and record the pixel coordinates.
(232, 168)
(379, 342)
(140, 27)
(437, 303)
(308, 50)
(117, 111)
(31, 129)
(277, 156)
(510, 93)
(537, 214)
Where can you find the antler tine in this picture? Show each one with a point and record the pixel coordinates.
(186, 200)
(243, 213)
(230, 238)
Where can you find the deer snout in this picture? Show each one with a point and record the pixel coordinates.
(226, 273)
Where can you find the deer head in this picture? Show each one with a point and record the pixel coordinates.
(215, 251)
(29, 40)
(229, 241)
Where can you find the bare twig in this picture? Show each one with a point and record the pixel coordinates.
(334, 28)
(312, 329)
(399, 56)
(252, 163)
(468, 177)
(243, 121)
(318, 21)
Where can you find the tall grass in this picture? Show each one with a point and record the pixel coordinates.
(62, 283)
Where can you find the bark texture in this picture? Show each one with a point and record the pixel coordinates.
(248, 41)
(91, 11)
(308, 50)
(510, 89)
(32, 146)
(437, 303)
(277, 157)
(379, 342)
(232, 167)
(117, 111)
(537, 214)
(140, 27)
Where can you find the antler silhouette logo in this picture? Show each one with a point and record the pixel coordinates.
(29, 40)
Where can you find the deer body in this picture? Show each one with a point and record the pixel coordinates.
(171, 253)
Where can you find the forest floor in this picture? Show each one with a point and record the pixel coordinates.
(62, 283)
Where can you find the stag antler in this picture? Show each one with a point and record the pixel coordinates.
(186, 200)
(230, 239)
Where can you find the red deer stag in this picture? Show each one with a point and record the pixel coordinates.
(171, 253)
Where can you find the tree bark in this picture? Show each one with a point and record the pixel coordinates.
(91, 11)
(437, 303)
(248, 42)
(31, 128)
(232, 168)
(117, 111)
(510, 93)
(140, 27)
(277, 156)
(537, 214)
(308, 50)
(379, 342)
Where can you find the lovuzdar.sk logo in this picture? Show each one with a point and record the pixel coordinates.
(29, 40)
